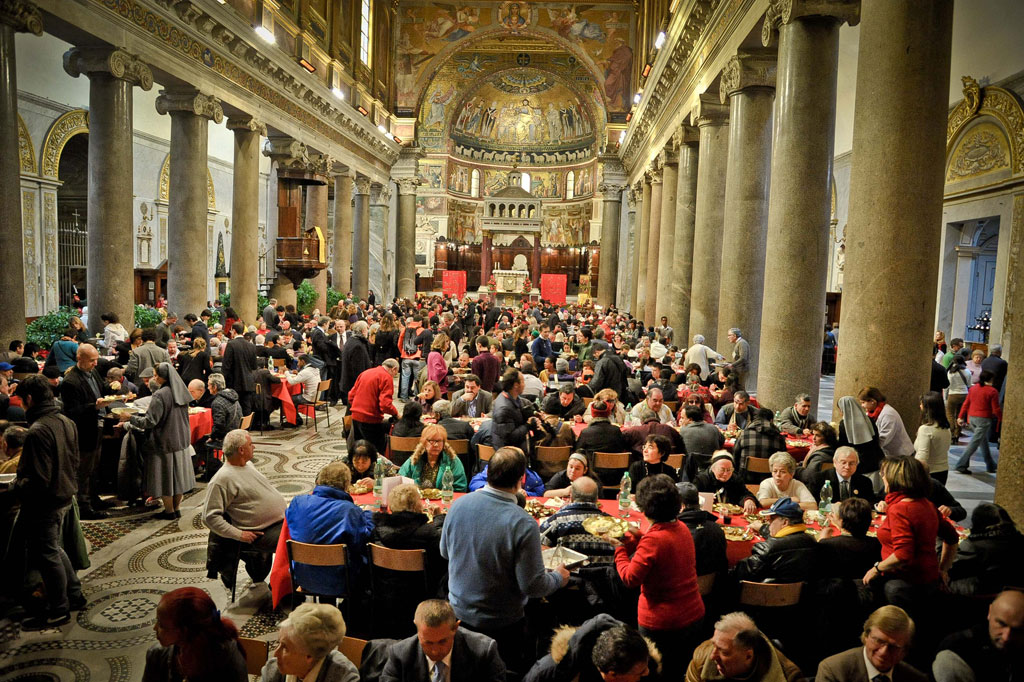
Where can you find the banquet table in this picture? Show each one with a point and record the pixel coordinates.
(284, 391)
(200, 423)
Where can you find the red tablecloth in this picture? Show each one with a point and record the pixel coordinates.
(284, 391)
(200, 423)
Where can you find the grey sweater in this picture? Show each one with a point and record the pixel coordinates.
(246, 497)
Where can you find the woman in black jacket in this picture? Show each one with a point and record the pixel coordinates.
(990, 558)
(722, 479)
(195, 364)
(385, 341)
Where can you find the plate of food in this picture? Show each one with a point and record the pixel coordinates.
(118, 411)
(360, 489)
(726, 508)
(430, 494)
(605, 525)
(737, 533)
(800, 443)
(537, 509)
(558, 556)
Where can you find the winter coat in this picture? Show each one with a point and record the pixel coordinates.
(226, 412)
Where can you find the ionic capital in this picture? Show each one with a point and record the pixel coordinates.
(362, 184)
(246, 123)
(287, 152)
(190, 102)
(22, 15)
(687, 135)
(709, 111)
(754, 69)
(669, 156)
(111, 61)
(784, 11)
(320, 163)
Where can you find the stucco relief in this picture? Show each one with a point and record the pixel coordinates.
(982, 150)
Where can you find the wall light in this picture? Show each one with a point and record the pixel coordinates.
(397, 139)
(629, 116)
(637, 97)
(622, 137)
(362, 110)
(265, 29)
(381, 128)
(335, 76)
(659, 41)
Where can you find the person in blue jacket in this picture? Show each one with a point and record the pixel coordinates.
(532, 486)
(431, 458)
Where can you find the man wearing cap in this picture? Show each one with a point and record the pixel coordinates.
(564, 404)
(722, 479)
(601, 435)
(655, 402)
(740, 355)
(788, 553)
(609, 371)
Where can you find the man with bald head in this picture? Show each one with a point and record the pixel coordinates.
(565, 527)
(656, 402)
(988, 652)
(82, 395)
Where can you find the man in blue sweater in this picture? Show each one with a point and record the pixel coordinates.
(494, 562)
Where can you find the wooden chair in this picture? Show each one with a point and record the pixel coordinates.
(827, 466)
(280, 363)
(675, 461)
(256, 654)
(346, 424)
(259, 401)
(672, 405)
(352, 648)
(246, 422)
(551, 460)
(613, 463)
(309, 409)
(403, 447)
(754, 488)
(758, 465)
(770, 594)
(397, 608)
(705, 584)
(463, 452)
(485, 452)
(459, 447)
(710, 410)
(320, 555)
(586, 402)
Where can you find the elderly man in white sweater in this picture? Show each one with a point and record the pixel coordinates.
(242, 506)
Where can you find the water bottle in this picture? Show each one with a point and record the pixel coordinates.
(378, 484)
(825, 503)
(447, 486)
(778, 418)
(624, 502)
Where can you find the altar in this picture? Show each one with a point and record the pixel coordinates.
(512, 211)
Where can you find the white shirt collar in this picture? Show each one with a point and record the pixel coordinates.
(872, 670)
(447, 660)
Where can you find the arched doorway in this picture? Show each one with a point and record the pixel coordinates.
(72, 218)
(984, 239)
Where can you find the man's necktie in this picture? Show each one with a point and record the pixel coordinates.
(471, 408)
(844, 490)
(439, 670)
(881, 678)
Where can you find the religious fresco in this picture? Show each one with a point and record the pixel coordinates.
(459, 178)
(584, 182)
(547, 184)
(431, 174)
(566, 225)
(493, 182)
(464, 221)
(431, 206)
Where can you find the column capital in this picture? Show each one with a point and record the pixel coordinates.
(362, 184)
(709, 111)
(686, 135)
(320, 163)
(380, 193)
(784, 11)
(669, 156)
(190, 101)
(408, 185)
(112, 61)
(631, 199)
(638, 186)
(611, 191)
(22, 15)
(339, 169)
(654, 173)
(286, 151)
(247, 123)
(748, 69)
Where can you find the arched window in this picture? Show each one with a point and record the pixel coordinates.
(526, 182)
(570, 184)
(532, 212)
(522, 211)
(501, 211)
(474, 183)
(491, 210)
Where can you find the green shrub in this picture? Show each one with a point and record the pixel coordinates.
(261, 303)
(305, 297)
(146, 317)
(46, 329)
(224, 299)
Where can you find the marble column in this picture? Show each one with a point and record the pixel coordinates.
(535, 265)
(1010, 480)
(650, 264)
(245, 213)
(712, 121)
(667, 240)
(15, 16)
(748, 86)
(642, 191)
(316, 216)
(486, 259)
(187, 273)
(893, 235)
(607, 276)
(380, 217)
(682, 248)
(405, 241)
(627, 239)
(361, 238)
(796, 255)
(112, 74)
(341, 256)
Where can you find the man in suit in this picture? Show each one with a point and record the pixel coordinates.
(238, 365)
(81, 393)
(845, 480)
(145, 356)
(442, 652)
(472, 401)
(887, 635)
(270, 313)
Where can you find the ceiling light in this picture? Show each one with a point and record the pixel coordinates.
(397, 139)
(266, 34)
(659, 41)
(307, 65)
(646, 71)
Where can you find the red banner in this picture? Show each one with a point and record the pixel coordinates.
(453, 283)
(552, 288)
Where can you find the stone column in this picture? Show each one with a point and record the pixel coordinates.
(361, 238)
(535, 265)
(245, 192)
(712, 120)
(341, 257)
(112, 73)
(896, 186)
(667, 240)
(380, 212)
(405, 242)
(1010, 480)
(607, 276)
(486, 262)
(642, 190)
(15, 16)
(627, 236)
(748, 86)
(316, 216)
(796, 256)
(187, 272)
(650, 265)
(682, 248)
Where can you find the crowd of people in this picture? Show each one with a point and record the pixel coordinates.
(504, 382)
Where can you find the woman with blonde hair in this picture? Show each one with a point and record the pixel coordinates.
(431, 458)
(429, 394)
(195, 363)
(437, 368)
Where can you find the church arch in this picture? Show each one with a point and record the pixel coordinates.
(26, 149)
(164, 189)
(63, 129)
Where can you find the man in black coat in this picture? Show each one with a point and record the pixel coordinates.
(609, 371)
(355, 358)
(995, 364)
(238, 365)
(438, 638)
(708, 536)
(788, 554)
(511, 421)
(564, 404)
(330, 354)
(845, 460)
(81, 393)
(491, 319)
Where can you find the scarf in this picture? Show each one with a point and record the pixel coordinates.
(858, 427)
(873, 414)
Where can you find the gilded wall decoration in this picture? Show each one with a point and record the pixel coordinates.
(1002, 105)
(26, 150)
(566, 224)
(431, 206)
(50, 245)
(423, 33)
(63, 129)
(464, 221)
(982, 150)
(28, 232)
(164, 189)
(460, 178)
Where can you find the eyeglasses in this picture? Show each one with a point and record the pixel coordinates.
(879, 642)
(435, 441)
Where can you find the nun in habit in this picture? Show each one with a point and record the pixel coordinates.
(168, 453)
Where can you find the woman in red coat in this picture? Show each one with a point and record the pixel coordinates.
(663, 564)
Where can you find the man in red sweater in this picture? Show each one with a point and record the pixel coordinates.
(370, 400)
(485, 365)
(982, 410)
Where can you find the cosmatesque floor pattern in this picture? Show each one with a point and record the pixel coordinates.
(136, 559)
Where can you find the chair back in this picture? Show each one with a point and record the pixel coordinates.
(827, 466)
(705, 584)
(611, 460)
(758, 465)
(409, 560)
(352, 648)
(317, 555)
(246, 422)
(256, 654)
(770, 594)
(485, 452)
(754, 488)
(401, 448)
(553, 453)
(459, 447)
(280, 362)
(324, 385)
(675, 461)
(672, 405)
(587, 401)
